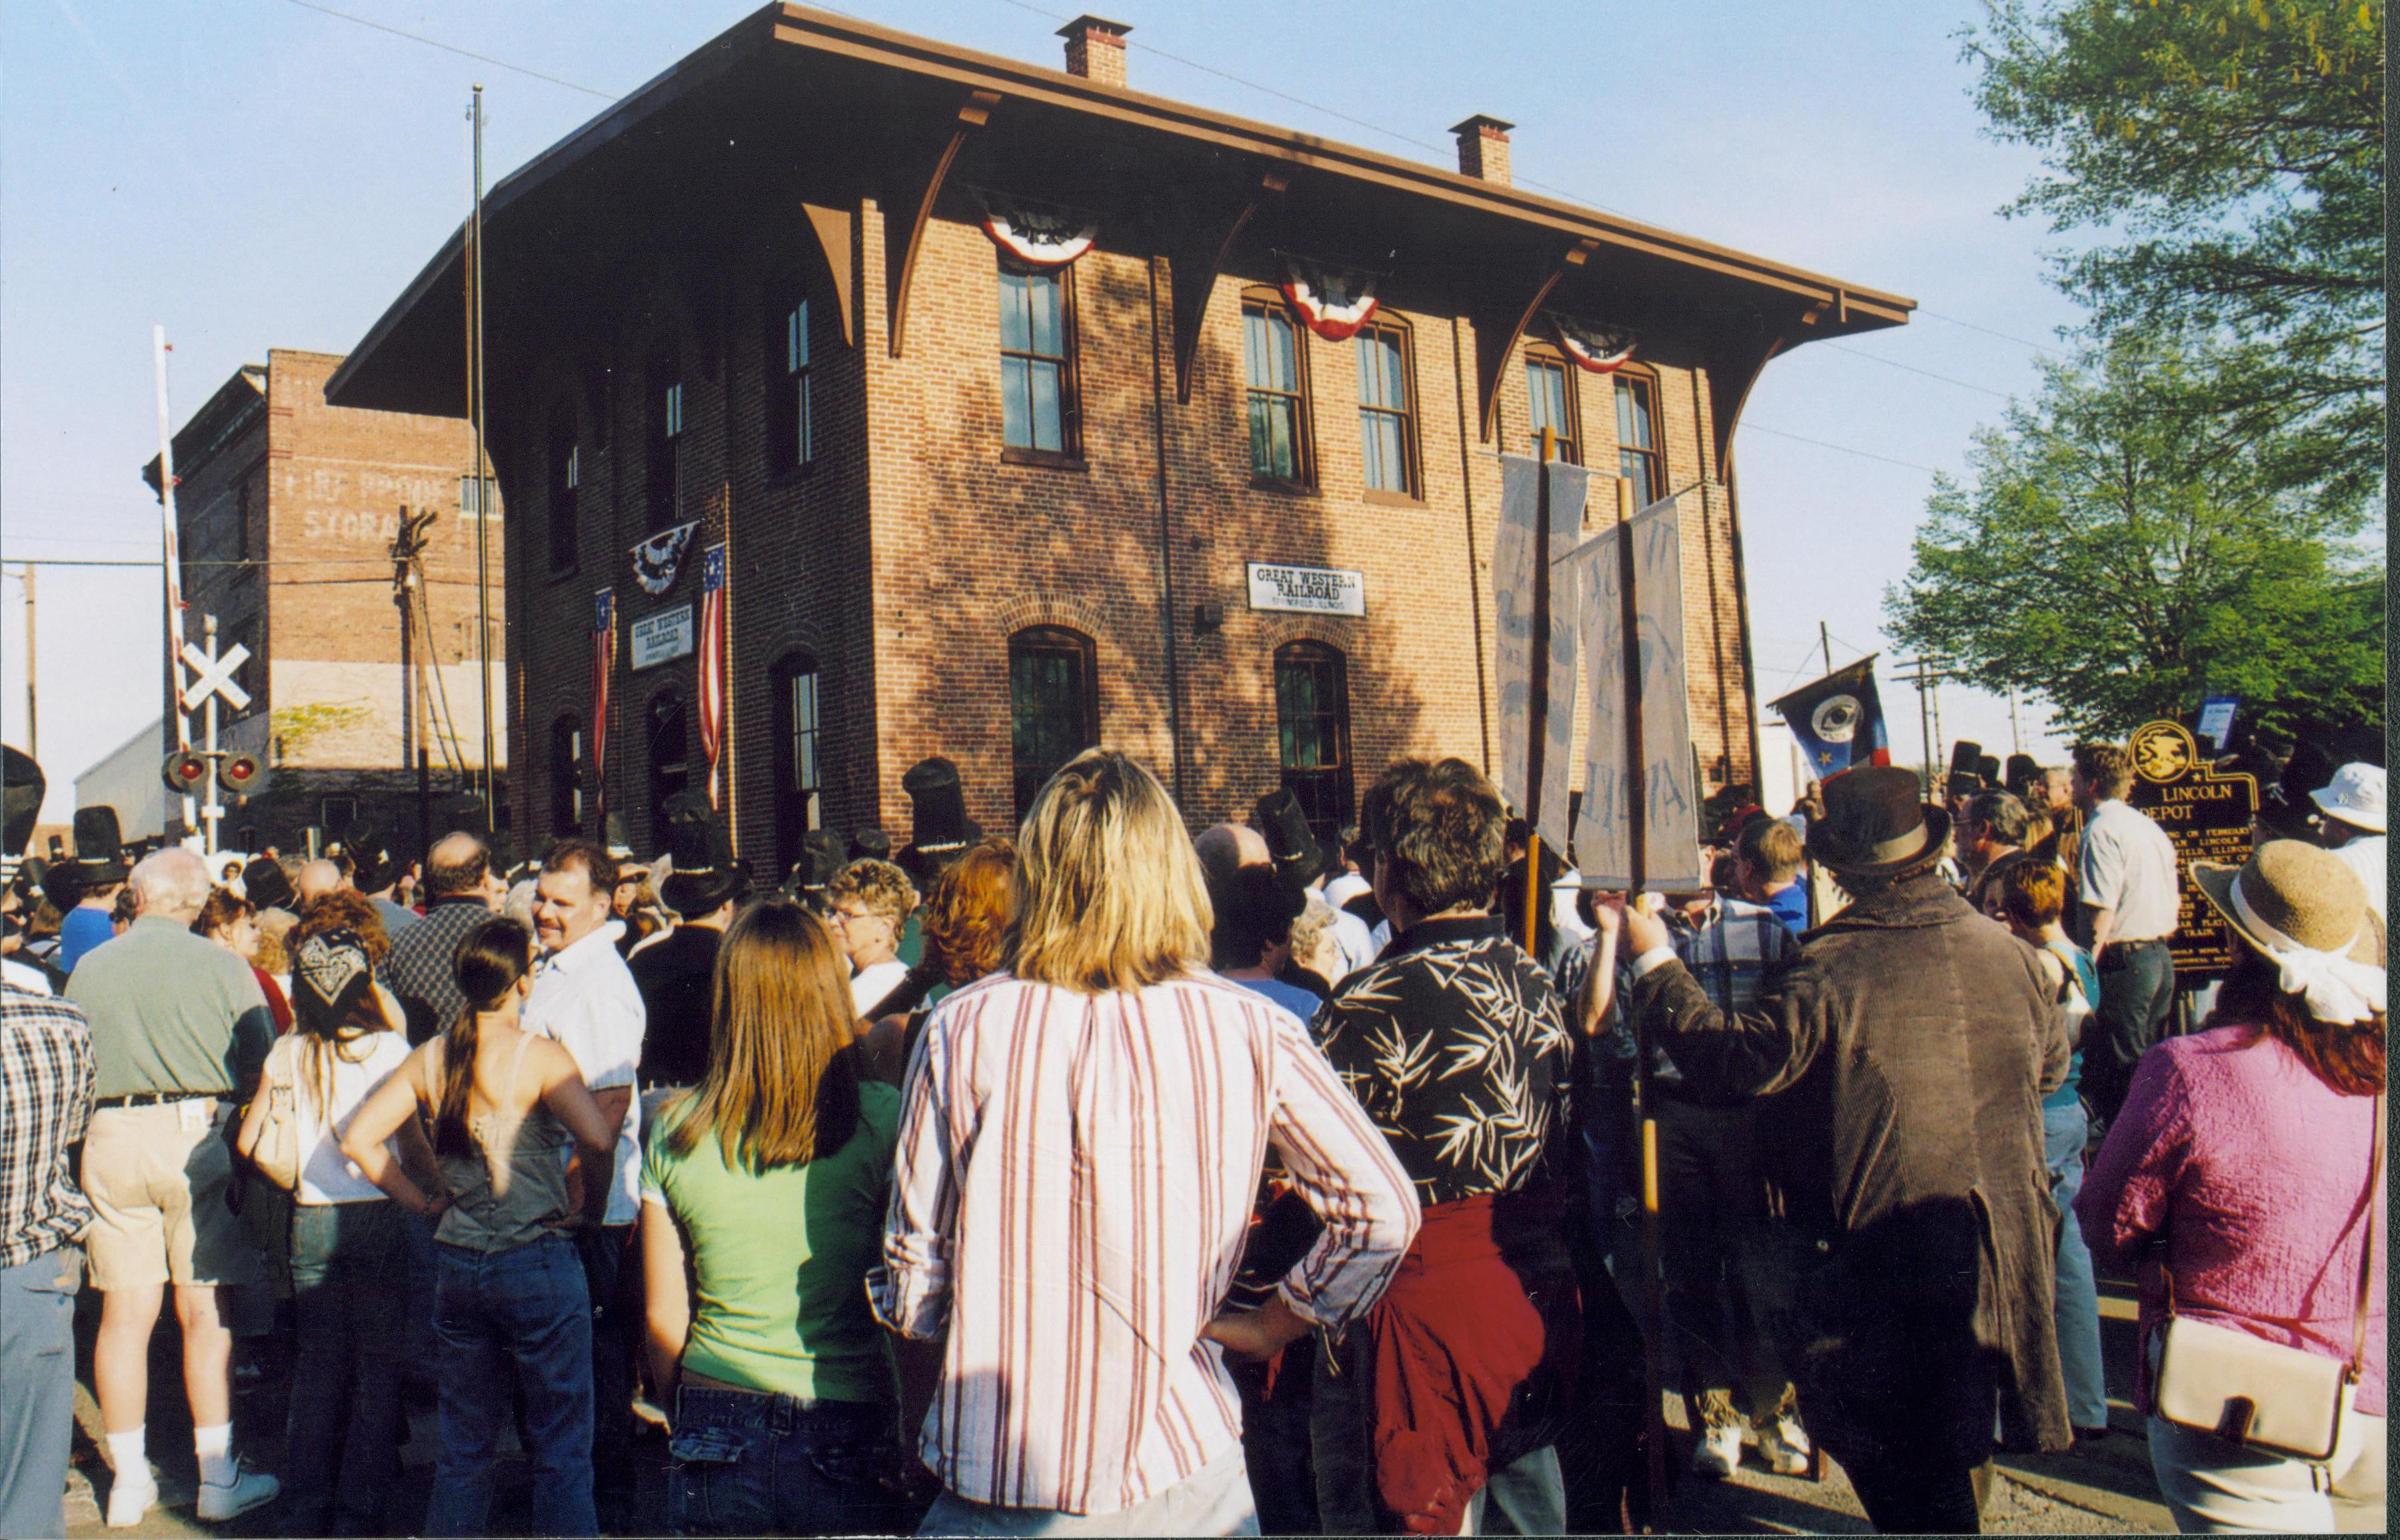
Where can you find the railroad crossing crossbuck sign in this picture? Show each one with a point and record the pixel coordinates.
(214, 676)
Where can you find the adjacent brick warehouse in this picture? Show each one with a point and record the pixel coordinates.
(287, 508)
(897, 566)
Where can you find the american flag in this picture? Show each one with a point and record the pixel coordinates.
(711, 659)
(604, 668)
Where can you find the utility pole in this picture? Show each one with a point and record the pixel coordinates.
(2017, 734)
(32, 729)
(173, 564)
(1923, 678)
(474, 277)
(1826, 638)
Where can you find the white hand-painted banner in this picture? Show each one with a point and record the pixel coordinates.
(1669, 812)
(1513, 572)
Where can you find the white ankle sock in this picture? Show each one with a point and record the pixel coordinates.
(129, 1454)
(215, 1446)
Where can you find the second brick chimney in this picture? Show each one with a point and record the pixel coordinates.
(1096, 48)
(1484, 147)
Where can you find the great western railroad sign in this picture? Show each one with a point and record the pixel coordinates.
(1307, 590)
(2210, 817)
(659, 637)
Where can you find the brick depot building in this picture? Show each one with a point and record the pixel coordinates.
(286, 509)
(996, 510)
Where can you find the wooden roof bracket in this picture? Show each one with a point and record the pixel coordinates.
(1730, 380)
(836, 232)
(1492, 349)
(1194, 258)
(901, 261)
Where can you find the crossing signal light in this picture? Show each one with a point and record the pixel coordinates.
(184, 770)
(243, 774)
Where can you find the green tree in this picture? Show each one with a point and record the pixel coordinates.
(2226, 158)
(2127, 548)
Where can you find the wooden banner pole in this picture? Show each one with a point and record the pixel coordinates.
(1538, 716)
(1654, 1368)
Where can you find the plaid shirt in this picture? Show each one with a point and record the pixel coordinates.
(46, 1091)
(421, 968)
(1738, 952)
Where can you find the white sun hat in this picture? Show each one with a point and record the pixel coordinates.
(2355, 796)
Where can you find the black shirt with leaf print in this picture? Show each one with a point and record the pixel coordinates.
(1456, 1044)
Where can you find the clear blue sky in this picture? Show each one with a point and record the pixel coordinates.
(257, 174)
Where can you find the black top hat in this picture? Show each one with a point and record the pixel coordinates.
(1875, 823)
(700, 847)
(939, 829)
(99, 849)
(2022, 773)
(372, 866)
(869, 844)
(1988, 767)
(20, 808)
(263, 882)
(821, 857)
(1298, 858)
(612, 836)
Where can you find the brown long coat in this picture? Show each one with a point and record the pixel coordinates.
(1912, 1045)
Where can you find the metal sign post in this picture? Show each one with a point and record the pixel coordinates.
(212, 682)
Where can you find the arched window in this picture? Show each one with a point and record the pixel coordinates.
(670, 757)
(798, 779)
(1550, 402)
(1312, 734)
(791, 379)
(1639, 459)
(663, 456)
(565, 477)
(1274, 366)
(1387, 409)
(1054, 710)
(566, 775)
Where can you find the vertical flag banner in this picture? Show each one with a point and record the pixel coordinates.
(711, 661)
(1516, 648)
(603, 669)
(1839, 720)
(1668, 813)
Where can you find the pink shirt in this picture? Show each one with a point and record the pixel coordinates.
(2252, 1171)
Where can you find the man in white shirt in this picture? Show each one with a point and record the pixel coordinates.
(2130, 886)
(2352, 805)
(584, 997)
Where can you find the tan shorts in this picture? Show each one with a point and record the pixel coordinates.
(156, 1177)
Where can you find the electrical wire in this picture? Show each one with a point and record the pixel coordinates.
(452, 47)
(1823, 443)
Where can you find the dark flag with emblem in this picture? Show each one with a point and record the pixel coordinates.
(1839, 720)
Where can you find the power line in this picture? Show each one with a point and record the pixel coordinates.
(1844, 448)
(1895, 363)
(1954, 320)
(452, 47)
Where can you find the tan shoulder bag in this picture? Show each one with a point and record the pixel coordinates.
(276, 1155)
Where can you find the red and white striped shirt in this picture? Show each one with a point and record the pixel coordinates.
(1074, 1183)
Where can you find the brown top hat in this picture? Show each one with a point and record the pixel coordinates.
(2304, 891)
(1876, 823)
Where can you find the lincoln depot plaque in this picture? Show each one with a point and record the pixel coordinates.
(2209, 816)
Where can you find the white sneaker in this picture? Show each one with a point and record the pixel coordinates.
(1718, 1453)
(131, 1496)
(248, 1489)
(1784, 1447)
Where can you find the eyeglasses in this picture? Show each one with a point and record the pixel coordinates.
(853, 917)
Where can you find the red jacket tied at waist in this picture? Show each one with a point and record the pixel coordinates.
(1456, 1338)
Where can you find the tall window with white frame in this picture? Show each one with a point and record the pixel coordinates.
(798, 779)
(1388, 427)
(1549, 402)
(1037, 365)
(566, 775)
(565, 480)
(664, 459)
(1277, 384)
(1638, 457)
(791, 386)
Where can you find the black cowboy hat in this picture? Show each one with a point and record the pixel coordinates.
(1876, 823)
(99, 849)
(2023, 774)
(20, 808)
(700, 849)
(1298, 860)
(939, 829)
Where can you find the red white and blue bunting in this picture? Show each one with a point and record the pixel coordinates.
(1036, 235)
(1600, 350)
(658, 559)
(1333, 301)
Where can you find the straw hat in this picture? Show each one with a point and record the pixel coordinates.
(2302, 907)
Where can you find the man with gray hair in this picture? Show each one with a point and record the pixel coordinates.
(179, 1031)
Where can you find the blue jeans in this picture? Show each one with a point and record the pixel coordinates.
(350, 1279)
(38, 1405)
(524, 1313)
(1215, 1501)
(2078, 1304)
(749, 1462)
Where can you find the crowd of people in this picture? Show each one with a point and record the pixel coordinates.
(1110, 1179)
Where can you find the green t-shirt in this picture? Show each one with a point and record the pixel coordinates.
(781, 1258)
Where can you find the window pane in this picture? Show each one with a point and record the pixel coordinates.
(1286, 340)
(1046, 292)
(807, 426)
(1257, 366)
(1370, 378)
(1016, 327)
(1396, 389)
(1546, 391)
(1633, 414)
(1386, 465)
(1016, 405)
(800, 337)
(1048, 422)
(1637, 468)
(1274, 438)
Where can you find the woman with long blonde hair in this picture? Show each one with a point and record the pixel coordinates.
(767, 1182)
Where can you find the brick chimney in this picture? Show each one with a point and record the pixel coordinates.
(1096, 48)
(1483, 148)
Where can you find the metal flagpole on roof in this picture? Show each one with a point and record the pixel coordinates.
(474, 279)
